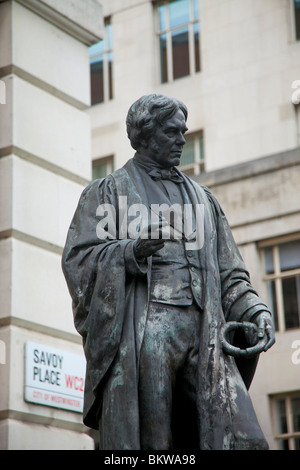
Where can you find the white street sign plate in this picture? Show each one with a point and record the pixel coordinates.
(54, 377)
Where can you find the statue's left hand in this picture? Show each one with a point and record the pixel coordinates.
(265, 326)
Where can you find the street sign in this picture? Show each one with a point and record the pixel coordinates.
(54, 377)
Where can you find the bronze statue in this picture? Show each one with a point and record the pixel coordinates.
(153, 290)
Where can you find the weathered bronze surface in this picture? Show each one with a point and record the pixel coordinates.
(151, 306)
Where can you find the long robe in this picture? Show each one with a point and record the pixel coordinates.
(110, 294)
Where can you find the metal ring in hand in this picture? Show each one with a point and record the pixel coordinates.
(228, 348)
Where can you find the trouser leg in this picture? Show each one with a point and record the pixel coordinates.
(168, 363)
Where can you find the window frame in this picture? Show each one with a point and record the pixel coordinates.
(109, 160)
(296, 31)
(277, 276)
(169, 48)
(199, 152)
(290, 435)
(108, 88)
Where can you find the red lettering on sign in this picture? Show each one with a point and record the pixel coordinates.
(77, 383)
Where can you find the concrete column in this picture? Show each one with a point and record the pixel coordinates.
(45, 162)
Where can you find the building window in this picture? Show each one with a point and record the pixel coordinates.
(102, 167)
(286, 421)
(297, 18)
(101, 66)
(192, 160)
(178, 33)
(282, 278)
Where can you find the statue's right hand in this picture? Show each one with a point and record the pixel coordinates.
(146, 246)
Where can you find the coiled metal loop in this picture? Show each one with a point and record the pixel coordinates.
(246, 327)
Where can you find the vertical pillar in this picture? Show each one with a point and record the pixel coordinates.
(45, 162)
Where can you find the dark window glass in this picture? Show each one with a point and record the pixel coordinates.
(291, 295)
(289, 255)
(269, 265)
(296, 413)
(180, 49)
(272, 301)
(281, 416)
(197, 47)
(97, 82)
(297, 18)
(163, 58)
(101, 67)
(283, 444)
(110, 75)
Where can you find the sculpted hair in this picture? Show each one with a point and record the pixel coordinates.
(148, 111)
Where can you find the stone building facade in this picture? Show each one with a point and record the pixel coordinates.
(45, 155)
(235, 64)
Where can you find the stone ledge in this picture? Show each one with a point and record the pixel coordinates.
(11, 321)
(26, 417)
(42, 163)
(12, 69)
(83, 20)
(249, 169)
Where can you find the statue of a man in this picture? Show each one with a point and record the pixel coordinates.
(151, 307)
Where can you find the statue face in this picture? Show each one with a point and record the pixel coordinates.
(164, 147)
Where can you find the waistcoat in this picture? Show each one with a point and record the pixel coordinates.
(176, 273)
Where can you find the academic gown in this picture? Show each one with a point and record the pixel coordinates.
(110, 294)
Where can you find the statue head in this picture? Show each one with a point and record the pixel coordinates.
(150, 120)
